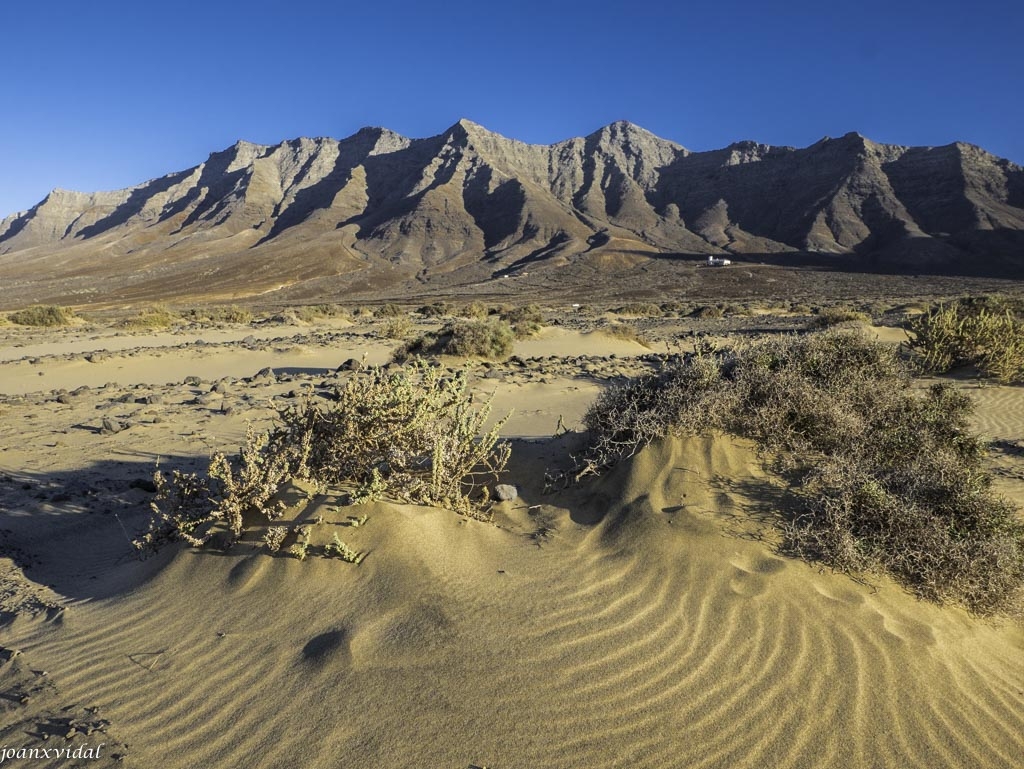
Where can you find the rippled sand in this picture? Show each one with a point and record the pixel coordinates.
(644, 621)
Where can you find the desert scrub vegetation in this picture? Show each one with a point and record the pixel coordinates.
(435, 310)
(888, 478)
(475, 310)
(411, 435)
(987, 333)
(833, 316)
(45, 315)
(491, 339)
(639, 309)
(524, 321)
(624, 332)
(309, 313)
(155, 317)
(218, 314)
(388, 311)
(708, 311)
(398, 327)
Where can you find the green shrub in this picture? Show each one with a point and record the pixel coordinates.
(42, 315)
(491, 339)
(890, 478)
(986, 333)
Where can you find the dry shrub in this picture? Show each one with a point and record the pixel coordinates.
(192, 507)
(890, 478)
(640, 309)
(525, 321)
(388, 311)
(625, 332)
(231, 314)
(312, 312)
(42, 315)
(987, 333)
(412, 436)
(154, 317)
(475, 310)
(398, 327)
(708, 311)
(833, 316)
(491, 339)
(435, 310)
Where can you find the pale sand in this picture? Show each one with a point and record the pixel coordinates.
(635, 622)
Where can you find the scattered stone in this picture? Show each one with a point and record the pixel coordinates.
(505, 492)
(111, 427)
(351, 365)
(193, 381)
(144, 484)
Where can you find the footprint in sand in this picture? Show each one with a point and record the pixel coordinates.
(840, 594)
(246, 573)
(747, 584)
(326, 647)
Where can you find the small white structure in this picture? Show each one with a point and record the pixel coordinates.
(715, 261)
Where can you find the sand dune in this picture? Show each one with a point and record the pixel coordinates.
(644, 620)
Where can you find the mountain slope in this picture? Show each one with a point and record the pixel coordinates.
(376, 209)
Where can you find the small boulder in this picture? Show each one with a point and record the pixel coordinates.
(110, 426)
(505, 492)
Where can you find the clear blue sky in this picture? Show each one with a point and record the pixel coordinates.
(109, 93)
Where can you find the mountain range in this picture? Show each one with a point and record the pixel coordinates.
(377, 211)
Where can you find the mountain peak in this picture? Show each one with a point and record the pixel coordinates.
(465, 128)
(472, 201)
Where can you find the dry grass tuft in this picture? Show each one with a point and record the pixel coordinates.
(626, 333)
(42, 316)
(155, 317)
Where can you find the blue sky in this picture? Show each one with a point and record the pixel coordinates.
(109, 93)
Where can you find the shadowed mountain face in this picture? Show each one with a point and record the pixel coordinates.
(377, 209)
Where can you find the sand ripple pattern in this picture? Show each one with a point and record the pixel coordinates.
(584, 655)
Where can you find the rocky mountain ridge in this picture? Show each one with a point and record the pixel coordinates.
(377, 208)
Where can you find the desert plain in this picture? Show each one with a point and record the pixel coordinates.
(641, 619)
